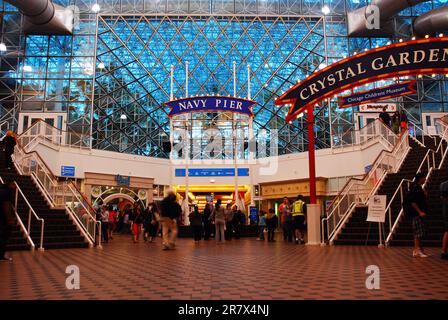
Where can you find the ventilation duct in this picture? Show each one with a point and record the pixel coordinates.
(358, 22)
(44, 17)
(432, 22)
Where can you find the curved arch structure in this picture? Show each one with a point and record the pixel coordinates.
(414, 57)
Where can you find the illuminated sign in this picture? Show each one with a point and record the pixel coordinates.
(210, 104)
(210, 172)
(425, 56)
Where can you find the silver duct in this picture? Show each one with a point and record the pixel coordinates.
(44, 17)
(432, 22)
(358, 23)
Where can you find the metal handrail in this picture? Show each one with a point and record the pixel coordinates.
(427, 160)
(42, 130)
(27, 231)
(352, 183)
(368, 133)
(50, 187)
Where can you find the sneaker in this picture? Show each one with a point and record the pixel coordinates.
(165, 248)
(6, 259)
(419, 254)
(297, 241)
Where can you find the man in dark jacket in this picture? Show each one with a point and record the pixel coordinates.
(170, 212)
(417, 211)
(9, 143)
(6, 195)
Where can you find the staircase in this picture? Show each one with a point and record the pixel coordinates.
(435, 225)
(357, 231)
(59, 230)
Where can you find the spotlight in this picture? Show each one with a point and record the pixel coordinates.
(322, 66)
(441, 35)
(325, 10)
(101, 65)
(3, 47)
(413, 38)
(27, 68)
(96, 8)
(427, 36)
(123, 117)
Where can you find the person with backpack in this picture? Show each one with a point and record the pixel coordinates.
(416, 207)
(299, 219)
(444, 196)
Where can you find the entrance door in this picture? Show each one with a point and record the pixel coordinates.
(430, 125)
(27, 119)
(364, 118)
(57, 120)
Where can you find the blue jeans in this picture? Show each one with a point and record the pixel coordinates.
(261, 232)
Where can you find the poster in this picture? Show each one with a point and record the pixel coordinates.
(377, 208)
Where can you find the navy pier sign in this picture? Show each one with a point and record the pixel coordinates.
(210, 104)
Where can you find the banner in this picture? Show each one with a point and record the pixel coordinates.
(377, 94)
(414, 57)
(210, 104)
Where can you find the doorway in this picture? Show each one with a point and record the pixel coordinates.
(27, 119)
(430, 124)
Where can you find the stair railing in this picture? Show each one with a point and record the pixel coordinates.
(358, 191)
(417, 132)
(430, 163)
(59, 194)
(367, 134)
(27, 230)
(4, 127)
(47, 134)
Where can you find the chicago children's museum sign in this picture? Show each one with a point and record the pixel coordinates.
(425, 56)
(210, 104)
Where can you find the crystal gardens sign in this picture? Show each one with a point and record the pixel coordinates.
(210, 104)
(425, 56)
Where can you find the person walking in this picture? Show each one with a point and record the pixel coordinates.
(385, 117)
(151, 223)
(396, 122)
(403, 121)
(112, 222)
(444, 196)
(286, 219)
(271, 224)
(261, 225)
(9, 143)
(238, 222)
(206, 217)
(299, 219)
(137, 223)
(417, 211)
(219, 216)
(196, 223)
(229, 222)
(105, 223)
(6, 196)
(170, 212)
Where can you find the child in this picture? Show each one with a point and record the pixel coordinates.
(271, 224)
(261, 225)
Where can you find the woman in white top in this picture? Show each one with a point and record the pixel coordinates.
(219, 215)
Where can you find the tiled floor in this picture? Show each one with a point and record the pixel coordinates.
(244, 269)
